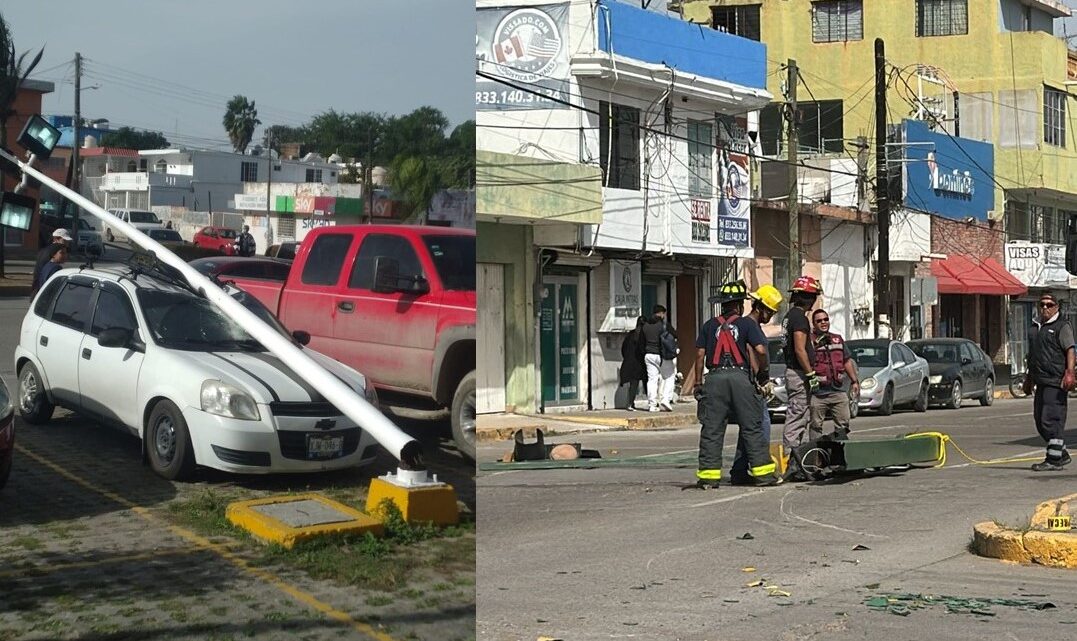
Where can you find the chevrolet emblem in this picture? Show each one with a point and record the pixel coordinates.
(325, 424)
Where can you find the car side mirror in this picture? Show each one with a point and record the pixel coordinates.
(301, 337)
(120, 337)
(417, 285)
(898, 364)
(965, 360)
(386, 274)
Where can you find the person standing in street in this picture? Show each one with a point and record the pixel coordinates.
(656, 334)
(765, 303)
(633, 369)
(55, 264)
(1050, 367)
(734, 351)
(800, 377)
(59, 237)
(835, 369)
(245, 245)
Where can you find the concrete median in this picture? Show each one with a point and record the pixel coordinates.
(1042, 542)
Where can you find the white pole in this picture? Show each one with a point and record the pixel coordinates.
(406, 449)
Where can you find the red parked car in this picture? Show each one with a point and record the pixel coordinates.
(219, 238)
(7, 433)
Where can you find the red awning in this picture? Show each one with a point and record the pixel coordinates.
(961, 274)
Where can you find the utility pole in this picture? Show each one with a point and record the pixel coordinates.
(75, 145)
(269, 183)
(882, 194)
(791, 155)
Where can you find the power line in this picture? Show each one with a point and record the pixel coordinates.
(651, 130)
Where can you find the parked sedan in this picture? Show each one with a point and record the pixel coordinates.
(140, 351)
(779, 403)
(7, 433)
(891, 375)
(959, 370)
(219, 238)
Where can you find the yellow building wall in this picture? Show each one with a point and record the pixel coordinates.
(985, 60)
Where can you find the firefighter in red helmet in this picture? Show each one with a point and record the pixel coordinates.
(800, 377)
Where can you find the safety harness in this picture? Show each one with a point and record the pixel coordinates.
(726, 352)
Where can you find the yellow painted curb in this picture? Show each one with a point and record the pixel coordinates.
(1038, 544)
(1052, 508)
(242, 515)
(435, 504)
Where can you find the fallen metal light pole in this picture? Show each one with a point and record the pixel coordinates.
(407, 450)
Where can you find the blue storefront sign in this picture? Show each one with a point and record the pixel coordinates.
(945, 175)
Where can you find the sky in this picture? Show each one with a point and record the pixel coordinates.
(171, 66)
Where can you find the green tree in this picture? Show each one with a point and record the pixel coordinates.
(277, 135)
(127, 138)
(415, 180)
(13, 72)
(240, 120)
(421, 132)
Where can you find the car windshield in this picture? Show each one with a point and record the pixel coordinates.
(165, 234)
(454, 258)
(937, 352)
(178, 320)
(226, 233)
(258, 309)
(85, 226)
(144, 217)
(869, 355)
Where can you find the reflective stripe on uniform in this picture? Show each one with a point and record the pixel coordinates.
(710, 475)
(763, 470)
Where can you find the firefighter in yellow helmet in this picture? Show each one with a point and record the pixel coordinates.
(734, 350)
(765, 303)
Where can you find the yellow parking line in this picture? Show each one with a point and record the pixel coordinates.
(205, 544)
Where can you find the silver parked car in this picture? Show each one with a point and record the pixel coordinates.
(778, 404)
(891, 375)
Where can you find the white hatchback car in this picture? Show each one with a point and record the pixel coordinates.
(138, 350)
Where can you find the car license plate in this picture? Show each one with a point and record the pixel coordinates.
(324, 446)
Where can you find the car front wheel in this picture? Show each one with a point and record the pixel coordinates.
(887, 407)
(463, 416)
(989, 393)
(34, 405)
(168, 442)
(921, 399)
(955, 396)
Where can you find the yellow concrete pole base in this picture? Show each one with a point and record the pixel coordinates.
(286, 519)
(1053, 549)
(434, 503)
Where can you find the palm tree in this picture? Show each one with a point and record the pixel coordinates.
(239, 121)
(415, 181)
(12, 75)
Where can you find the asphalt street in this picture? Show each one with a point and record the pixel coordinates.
(87, 550)
(627, 553)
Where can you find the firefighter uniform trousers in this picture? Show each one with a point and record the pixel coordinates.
(728, 393)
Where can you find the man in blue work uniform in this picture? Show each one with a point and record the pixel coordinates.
(734, 350)
(1051, 362)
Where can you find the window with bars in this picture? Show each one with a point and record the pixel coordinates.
(248, 172)
(1054, 117)
(618, 134)
(1018, 225)
(837, 20)
(820, 129)
(740, 21)
(942, 17)
(700, 148)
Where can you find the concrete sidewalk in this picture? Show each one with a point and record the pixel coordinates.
(495, 427)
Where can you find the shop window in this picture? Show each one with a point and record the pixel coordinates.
(740, 21)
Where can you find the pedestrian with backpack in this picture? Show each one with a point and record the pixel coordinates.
(659, 350)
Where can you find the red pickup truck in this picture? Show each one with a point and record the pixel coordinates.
(396, 303)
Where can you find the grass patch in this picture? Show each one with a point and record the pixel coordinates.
(406, 553)
(1023, 525)
(378, 600)
(27, 543)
